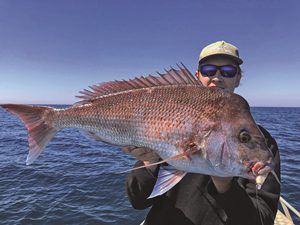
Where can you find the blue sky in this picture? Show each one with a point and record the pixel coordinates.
(50, 50)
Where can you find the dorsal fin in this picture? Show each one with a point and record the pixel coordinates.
(171, 77)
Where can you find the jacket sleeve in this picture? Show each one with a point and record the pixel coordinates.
(243, 204)
(139, 185)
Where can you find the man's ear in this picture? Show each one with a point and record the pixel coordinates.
(197, 74)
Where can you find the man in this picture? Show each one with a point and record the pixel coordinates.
(202, 199)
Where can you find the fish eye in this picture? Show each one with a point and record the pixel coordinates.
(244, 136)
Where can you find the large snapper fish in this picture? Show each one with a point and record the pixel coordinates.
(193, 128)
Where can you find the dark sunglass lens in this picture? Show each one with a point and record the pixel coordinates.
(228, 71)
(208, 70)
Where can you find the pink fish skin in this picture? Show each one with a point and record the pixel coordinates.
(197, 129)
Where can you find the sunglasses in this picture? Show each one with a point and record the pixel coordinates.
(209, 70)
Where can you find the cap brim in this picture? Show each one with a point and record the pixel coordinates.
(238, 60)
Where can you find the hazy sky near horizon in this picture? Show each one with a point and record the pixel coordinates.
(50, 50)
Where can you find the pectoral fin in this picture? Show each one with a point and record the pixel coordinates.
(167, 178)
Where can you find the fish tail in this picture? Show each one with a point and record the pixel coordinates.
(38, 124)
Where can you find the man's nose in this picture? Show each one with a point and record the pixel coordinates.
(218, 73)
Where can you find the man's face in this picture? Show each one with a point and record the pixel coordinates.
(218, 80)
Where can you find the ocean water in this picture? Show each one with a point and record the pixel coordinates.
(80, 181)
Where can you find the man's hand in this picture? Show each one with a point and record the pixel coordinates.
(222, 184)
(146, 155)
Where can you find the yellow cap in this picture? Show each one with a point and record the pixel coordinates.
(220, 48)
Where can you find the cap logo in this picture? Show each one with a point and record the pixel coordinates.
(224, 48)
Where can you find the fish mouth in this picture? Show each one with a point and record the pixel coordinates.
(255, 169)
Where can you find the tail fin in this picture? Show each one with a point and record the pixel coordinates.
(36, 120)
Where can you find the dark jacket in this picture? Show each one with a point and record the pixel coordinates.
(194, 200)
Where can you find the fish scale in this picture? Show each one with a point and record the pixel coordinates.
(135, 116)
(142, 112)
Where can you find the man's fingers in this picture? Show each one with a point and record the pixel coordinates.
(141, 153)
(128, 148)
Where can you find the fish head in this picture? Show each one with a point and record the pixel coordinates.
(236, 146)
(247, 144)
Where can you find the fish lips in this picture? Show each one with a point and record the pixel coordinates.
(256, 168)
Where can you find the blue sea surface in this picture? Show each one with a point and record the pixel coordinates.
(81, 181)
